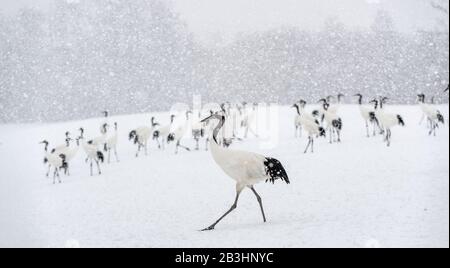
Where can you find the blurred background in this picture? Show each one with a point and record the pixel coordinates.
(69, 59)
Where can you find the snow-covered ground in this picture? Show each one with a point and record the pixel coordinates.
(355, 194)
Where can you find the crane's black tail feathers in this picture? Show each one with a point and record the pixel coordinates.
(400, 120)
(155, 134)
(170, 137)
(275, 170)
(322, 132)
(440, 117)
(100, 156)
(372, 117)
(337, 124)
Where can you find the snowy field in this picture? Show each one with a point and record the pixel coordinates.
(355, 194)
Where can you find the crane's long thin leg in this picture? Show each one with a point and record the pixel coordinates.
(115, 153)
(182, 146)
(54, 175)
(233, 207)
(389, 137)
(109, 155)
(48, 171)
(312, 145)
(260, 202)
(98, 167)
(331, 135)
(92, 171)
(307, 146)
(367, 129)
(138, 150)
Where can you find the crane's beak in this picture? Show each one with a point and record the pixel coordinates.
(207, 119)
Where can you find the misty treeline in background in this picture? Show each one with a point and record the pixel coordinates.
(139, 56)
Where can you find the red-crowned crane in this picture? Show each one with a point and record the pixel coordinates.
(246, 168)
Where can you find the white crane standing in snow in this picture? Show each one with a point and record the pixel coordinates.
(434, 116)
(58, 150)
(297, 121)
(140, 137)
(198, 131)
(368, 115)
(46, 143)
(387, 120)
(92, 152)
(249, 118)
(246, 168)
(111, 144)
(70, 155)
(163, 132)
(178, 132)
(155, 135)
(57, 161)
(312, 127)
(334, 122)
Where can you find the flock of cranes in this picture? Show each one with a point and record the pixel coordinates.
(233, 122)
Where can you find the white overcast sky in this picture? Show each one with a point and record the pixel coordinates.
(209, 18)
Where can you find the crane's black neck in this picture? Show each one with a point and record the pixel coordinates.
(297, 108)
(218, 127)
(360, 99)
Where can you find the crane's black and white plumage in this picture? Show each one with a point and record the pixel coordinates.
(93, 154)
(387, 120)
(64, 149)
(111, 144)
(311, 126)
(334, 122)
(246, 168)
(368, 115)
(198, 131)
(433, 115)
(179, 131)
(140, 137)
(155, 135)
(70, 155)
(163, 132)
(57, 161)
(300, 106)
